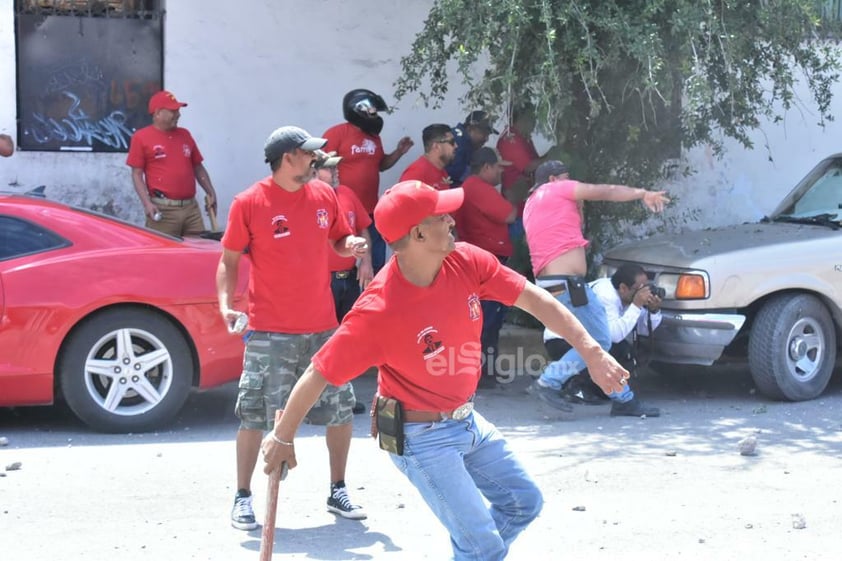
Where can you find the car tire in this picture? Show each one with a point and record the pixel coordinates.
(141, 351)
(792, 348)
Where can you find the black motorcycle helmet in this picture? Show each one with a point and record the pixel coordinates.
(360, 108)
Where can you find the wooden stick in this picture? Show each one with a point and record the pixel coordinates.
(211, 215)
(267, 536)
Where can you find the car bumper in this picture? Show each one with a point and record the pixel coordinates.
(693, 338)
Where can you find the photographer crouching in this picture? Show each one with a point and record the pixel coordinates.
(632, 307)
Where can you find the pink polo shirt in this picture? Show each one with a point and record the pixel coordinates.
(552, 222)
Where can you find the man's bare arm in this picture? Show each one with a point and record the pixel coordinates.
(227, 275)
(654, 200)
(278, 445)
(139, 183)
(203, 177)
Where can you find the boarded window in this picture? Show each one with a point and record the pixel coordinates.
(86, 70)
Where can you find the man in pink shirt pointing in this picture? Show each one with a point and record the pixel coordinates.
(553, 225)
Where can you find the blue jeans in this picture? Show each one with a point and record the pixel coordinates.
(378, 248)
(592, 317)
(454, 464)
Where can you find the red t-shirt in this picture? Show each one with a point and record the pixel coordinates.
(361, 156)
(423, 170)
(358, 220)
(482, 218)
(287, 235)
(168, 159)
(520, 152)
(425, 341)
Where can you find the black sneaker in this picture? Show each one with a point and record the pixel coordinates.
(581, 389)
(359, 408)
(633, 408)
(242, 515)
(549, 396)
(339, 503)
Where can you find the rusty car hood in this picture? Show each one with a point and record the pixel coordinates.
(693, 248)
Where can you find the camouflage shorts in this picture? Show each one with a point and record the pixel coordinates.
(272, 364)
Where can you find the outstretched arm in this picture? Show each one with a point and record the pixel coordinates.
(654, 200)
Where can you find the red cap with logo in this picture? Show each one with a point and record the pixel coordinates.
(164, 100)
(408, 203)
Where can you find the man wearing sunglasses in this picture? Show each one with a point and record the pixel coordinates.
(439, 151)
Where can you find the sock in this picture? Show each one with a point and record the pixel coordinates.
(243, 493)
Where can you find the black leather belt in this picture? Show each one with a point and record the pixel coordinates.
(547, 282)
(342, 275)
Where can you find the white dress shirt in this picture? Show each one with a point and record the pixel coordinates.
(621, 320)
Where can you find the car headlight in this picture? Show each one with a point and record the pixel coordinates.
(685, 286)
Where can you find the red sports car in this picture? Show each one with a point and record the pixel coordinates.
(117, 320)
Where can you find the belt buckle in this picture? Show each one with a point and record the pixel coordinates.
(462, 411)
(340, 275)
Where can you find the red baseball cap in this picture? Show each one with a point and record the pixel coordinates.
(408, 203)
(164, 100)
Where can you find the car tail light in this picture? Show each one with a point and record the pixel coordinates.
(690, 287)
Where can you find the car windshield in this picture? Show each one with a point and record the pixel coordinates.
(817, 199)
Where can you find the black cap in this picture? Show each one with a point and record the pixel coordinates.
(480, 119)
(487, 155)
(287, 139)
(548, 168)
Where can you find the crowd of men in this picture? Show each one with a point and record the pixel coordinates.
(325, 305)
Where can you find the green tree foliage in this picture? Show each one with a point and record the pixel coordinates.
(623, 85)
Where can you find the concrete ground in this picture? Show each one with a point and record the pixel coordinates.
(675, 487)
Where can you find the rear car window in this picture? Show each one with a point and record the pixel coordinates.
(21, 237)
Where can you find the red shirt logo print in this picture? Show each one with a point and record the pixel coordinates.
(430, 345)
(321, 218)
(280, 226)
(474, 307)
(185, 149)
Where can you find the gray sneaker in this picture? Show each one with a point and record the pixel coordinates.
(242, 515)
(634, 408)
(551, 397)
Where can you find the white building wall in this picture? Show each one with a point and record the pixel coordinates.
(248, 67)
(245, 68)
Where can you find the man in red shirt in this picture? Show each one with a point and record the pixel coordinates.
(166, 164)
(515, 145)
(357, 142)
(484, 221)
(289, 222)
(348, 276)
(419, 321)
(439, 151)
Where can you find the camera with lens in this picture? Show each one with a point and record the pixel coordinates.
(657, 290)
(325, 159)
